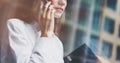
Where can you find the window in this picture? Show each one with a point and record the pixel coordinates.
(84, 13)
(106, 49)
(79, 39)
(112, 4)
(99, 2)
(119, 31)
(118, 53)
(109, 25)
(96, 18)
(94, 43)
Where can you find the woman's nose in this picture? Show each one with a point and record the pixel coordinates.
(61, 2)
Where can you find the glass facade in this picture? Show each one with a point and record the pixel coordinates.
(112, 4)
(96, 17)
(99, 2)
(94, 43)
(106, 49)
(118, 53)
(109, 25)
(80, 38)
(84, 11)
(119, 31)
(96, 40)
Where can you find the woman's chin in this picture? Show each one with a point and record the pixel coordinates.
(58, 15)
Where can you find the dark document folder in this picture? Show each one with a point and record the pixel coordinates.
(83, 54)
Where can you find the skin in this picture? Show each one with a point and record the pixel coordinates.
(47, 14)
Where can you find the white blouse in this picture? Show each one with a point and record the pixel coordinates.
(29, 47)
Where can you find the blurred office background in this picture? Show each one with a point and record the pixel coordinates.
(96, 23)
(93, 22)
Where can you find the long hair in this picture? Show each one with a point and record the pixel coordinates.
(27, 10)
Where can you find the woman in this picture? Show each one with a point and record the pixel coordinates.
(35, 42)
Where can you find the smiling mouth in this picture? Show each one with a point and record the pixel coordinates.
(59, 9)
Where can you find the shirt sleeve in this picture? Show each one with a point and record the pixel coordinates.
(45, 50)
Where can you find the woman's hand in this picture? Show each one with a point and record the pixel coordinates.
(46, 19)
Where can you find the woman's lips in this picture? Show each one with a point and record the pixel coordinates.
(59, 9)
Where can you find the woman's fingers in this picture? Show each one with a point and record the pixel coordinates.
(47, 19)
(40, 10)
(45, 9)
(50, 20)
(52, 14)
(48, 14)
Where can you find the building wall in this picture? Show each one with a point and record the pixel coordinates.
(96, 23)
